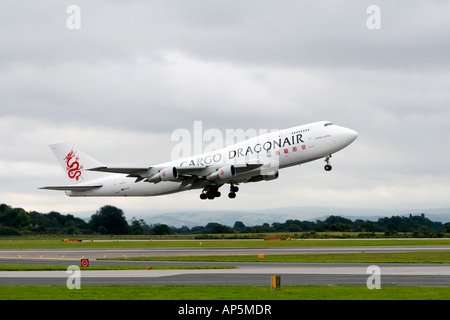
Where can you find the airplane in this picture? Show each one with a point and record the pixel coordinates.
(252, 160)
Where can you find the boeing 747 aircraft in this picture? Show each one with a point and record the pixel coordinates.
(256, 159)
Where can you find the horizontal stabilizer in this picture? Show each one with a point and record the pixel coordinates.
(73, 187)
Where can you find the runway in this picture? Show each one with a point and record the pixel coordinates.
(252, 274)
(77, 254)
(249, 273)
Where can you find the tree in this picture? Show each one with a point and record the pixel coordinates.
(14, 217)
(102, 230)
(214, 227)
(161, 229)
(182, 230)
(336, 223)
(239, 226)
(138, 226)
(112, 220)
(446, 227)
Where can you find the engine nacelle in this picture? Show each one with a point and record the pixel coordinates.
(224, 173)
(168, 174)
(270, 176)
(265, 177)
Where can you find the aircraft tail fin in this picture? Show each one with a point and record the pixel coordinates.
(75, 163)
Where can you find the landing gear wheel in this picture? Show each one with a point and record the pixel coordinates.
(233, 190)
(232, 195)
(210, 193)
(328, 167)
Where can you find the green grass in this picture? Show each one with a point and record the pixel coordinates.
(221, 293)
(117, 244)
(398, 257)
(234, 292)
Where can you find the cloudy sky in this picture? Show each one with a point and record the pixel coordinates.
(136, 71)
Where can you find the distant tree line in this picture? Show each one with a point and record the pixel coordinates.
(111, 220)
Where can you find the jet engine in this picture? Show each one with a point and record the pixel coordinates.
(270, 176)
(167, 174)
(265, 177)
(224, 173)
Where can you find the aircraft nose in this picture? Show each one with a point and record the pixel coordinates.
(350, 135)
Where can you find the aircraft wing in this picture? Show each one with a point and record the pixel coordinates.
(73, 187)
(130, 171)
(183, 171)
(200, 170)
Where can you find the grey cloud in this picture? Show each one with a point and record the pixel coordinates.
(147, 68)
(293, 33)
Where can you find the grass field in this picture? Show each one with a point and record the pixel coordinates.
(397, 257)
(98, 244)
(233, 292)
(221, 293)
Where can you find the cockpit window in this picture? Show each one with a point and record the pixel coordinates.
(328, 124)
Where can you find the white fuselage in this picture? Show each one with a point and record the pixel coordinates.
(276, 150)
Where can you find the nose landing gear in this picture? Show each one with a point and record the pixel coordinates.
(328, 167)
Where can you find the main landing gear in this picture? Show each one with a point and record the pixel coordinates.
(328, 167)
(233, 190)
(211, 192)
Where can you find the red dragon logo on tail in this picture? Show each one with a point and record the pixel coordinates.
(73, 166)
